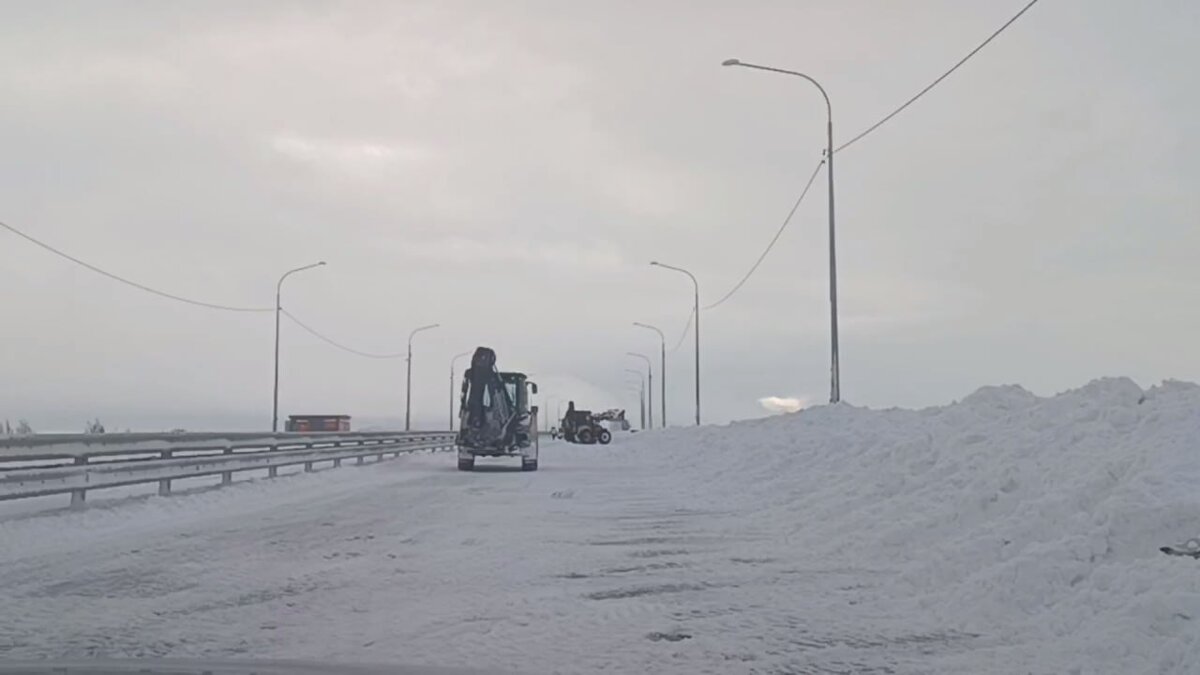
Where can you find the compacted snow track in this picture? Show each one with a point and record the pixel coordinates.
(1002, 534)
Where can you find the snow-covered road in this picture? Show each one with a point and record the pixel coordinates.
(592, 563)
(832, 541)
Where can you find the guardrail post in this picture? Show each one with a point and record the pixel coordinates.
(308, 466)
(78, 496)
(164, 485)
(337, 462)
(358, 460)
(227, 476)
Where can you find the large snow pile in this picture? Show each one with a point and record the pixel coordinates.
(1003, 534)
(1032, 522)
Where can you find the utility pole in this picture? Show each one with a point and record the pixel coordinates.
(408, 378)
(278, 311)
(649, 386)
(641, 395)
(546, 410)
(662, 371)
(696, 316)
(835, 374)
(452, 387)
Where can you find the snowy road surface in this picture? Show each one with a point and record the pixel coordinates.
(1002, 534)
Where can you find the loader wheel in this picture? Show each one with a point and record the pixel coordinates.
(604, 436)
(585, 436)
(531, 465)
(466, 464)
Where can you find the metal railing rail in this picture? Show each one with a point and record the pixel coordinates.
(35, 466)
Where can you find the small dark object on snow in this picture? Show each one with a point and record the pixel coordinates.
(674, 636)
(1191, 548)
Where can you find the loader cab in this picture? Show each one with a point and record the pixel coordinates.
(518, 387)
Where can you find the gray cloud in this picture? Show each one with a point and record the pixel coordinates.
(508, 170)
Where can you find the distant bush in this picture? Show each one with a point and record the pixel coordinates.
(22, 429)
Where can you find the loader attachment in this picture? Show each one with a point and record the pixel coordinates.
(494, 409)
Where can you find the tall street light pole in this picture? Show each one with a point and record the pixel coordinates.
(649, 386)
(278, 311)
(641, 395)
(835, 384)
(452, 388)
(696, 312)
(546, 411)
(662, 372)
(408, 378)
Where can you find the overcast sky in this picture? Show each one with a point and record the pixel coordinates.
(508, 169)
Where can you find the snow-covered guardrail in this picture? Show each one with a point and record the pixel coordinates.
(34, 466)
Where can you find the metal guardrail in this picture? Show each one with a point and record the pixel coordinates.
(35, 466)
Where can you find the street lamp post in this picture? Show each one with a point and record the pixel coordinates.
(649, 386)
(662, 372)
(835, 384)
(641, 395)
(546, 410)
(696, 312)
(278, 311)
(452, 389)
(408, 378)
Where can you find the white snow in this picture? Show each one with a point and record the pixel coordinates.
(1005, 533)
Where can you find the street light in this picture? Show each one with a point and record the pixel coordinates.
(278, 311)
(696, 312)
(649, 386)
(662, 372)
(641, 395)
(835, 385)
(408, 379)
(546, 410)
(452, 362)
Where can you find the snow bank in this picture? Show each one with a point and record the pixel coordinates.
(1004, 533)
(1032, 522)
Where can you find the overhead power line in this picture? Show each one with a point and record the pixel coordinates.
(933, 84)
(857, 138)
(143, 287)
(198, 303)
(337, 344)
(774, 239)
(686, 327)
